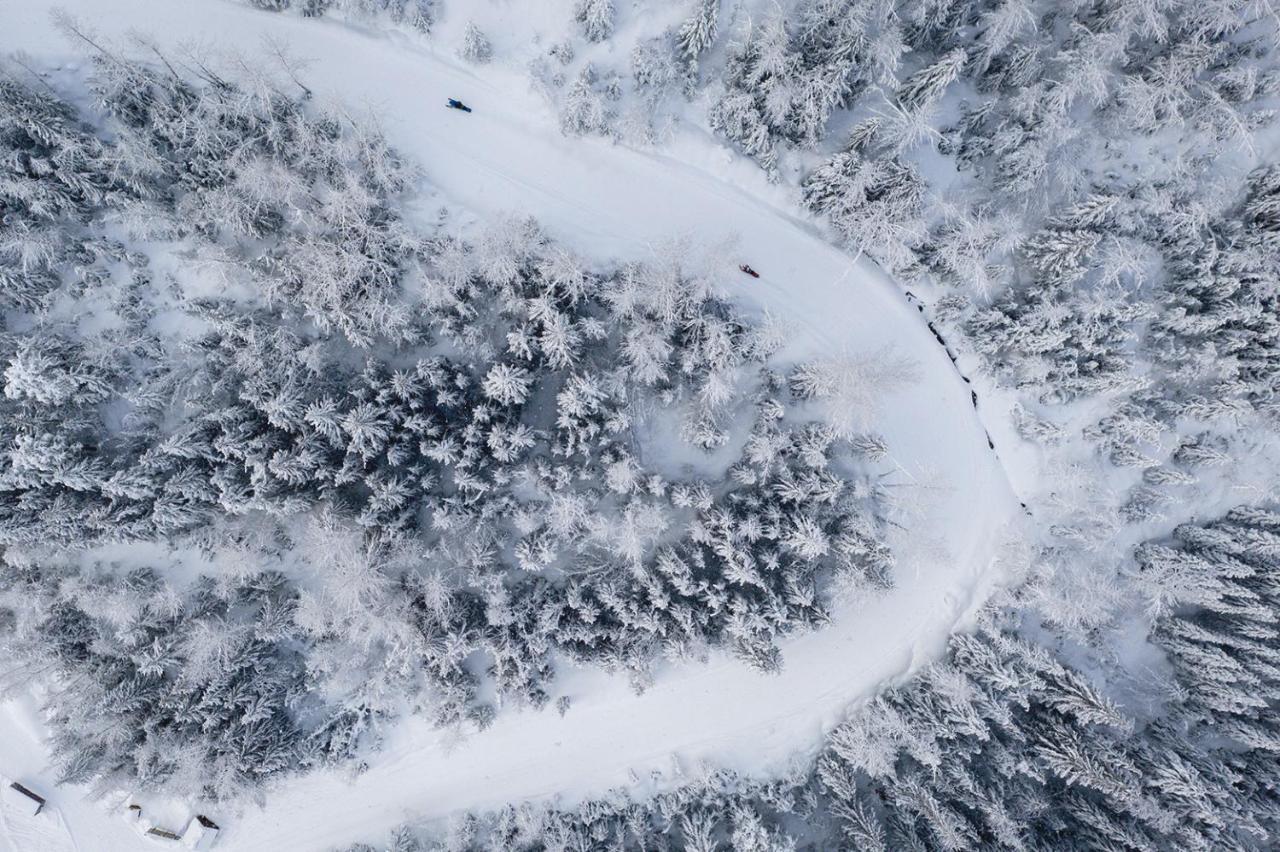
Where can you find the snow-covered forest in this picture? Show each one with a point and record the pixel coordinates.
(709, 425)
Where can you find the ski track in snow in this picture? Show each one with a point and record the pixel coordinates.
(604, 201)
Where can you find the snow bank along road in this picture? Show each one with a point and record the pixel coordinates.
(609, 201)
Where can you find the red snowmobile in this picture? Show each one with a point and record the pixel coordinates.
(749, 271)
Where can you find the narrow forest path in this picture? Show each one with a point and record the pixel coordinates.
(611, 202)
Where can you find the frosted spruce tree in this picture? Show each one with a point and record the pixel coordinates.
(594, 18)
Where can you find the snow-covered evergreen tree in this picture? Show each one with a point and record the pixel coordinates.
(697, 34)
(475, 45)
(584, 110)
(595, 18)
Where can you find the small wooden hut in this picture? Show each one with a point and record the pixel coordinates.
(201, 833)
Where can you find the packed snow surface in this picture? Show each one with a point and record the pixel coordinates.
(609, 202)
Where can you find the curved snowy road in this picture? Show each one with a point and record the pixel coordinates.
(610, 201)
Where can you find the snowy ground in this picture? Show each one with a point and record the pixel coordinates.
(607, 201)
(70, 821)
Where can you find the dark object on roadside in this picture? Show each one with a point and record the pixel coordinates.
(32, 802)
(457, 104)
(749, 271)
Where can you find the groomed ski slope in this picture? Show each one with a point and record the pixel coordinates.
(607, 201)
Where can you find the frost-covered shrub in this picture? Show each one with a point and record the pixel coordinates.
(595, 18)
(475, 45)
(419, 15)
(655, 76)
(584, 110)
